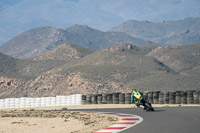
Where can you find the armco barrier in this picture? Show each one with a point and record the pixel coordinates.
(155, 97)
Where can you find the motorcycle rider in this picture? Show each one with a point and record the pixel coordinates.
(137, 96)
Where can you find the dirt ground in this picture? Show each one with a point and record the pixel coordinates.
(32, 121)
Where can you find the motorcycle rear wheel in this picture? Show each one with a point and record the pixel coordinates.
(149, 107)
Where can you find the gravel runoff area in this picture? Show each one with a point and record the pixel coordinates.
(45, 121)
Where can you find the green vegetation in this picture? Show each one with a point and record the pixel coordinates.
(64, 109)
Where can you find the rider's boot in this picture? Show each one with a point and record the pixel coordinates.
(142, 106)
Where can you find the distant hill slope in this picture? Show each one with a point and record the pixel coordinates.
(102, 71)
(96, 39)
(180, 32)
(61, 54)
(179, 58)
(37, 41)
(17, 74)
(8, 65)
(115, 69)
(64, 52)
(31, 68)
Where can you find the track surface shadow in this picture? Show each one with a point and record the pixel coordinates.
(159, 110)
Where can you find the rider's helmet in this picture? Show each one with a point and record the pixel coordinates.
(134, 90)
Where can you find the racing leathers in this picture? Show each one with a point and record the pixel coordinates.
(136, 96)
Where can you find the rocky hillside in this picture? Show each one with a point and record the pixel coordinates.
(168, 32)
(96, 39)
(37, 41)
(117, 68)
(64, 52)
(10, 66)
(17, 74)
(34, 42)
(30, 68)
(179, 58)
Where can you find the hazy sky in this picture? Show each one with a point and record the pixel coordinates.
(17, 16)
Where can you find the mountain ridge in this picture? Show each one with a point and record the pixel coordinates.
(179, 32)
(31, 68)
(36, 41)
(102, 15)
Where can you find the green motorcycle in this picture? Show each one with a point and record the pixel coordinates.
(144, 103)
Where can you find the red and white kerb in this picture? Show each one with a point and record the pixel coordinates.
(126, 121)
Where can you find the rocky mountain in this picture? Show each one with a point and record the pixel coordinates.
(179, 32)
(9, 74)
(34, 42)
(8, 65)
(101, 14)
(64, 52)
(179, 58)
(96, 39)
(37, 41)
(17, 74)
(115, 69)
(31, 68)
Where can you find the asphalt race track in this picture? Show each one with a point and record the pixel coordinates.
(162, 120)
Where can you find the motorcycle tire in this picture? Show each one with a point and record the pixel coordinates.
(149, 107)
